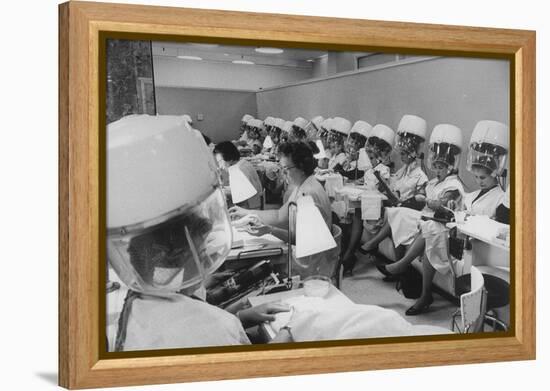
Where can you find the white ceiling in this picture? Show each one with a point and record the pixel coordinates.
(296, 58)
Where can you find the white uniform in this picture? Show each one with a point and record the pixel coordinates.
(404, 222)
(336, 159)
(349, 165)
(180, 322)
(506, 200)
(313, 188)
(371, 181)
(485, 205)
(373, 226)
(436, 234)
(408, 180)
(321, 263)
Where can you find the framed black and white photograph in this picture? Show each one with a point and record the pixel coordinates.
(289, 195)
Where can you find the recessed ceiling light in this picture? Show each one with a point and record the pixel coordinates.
(242, 62)
(269, 50)
(310, 60)
(226, 54)
(196, 58)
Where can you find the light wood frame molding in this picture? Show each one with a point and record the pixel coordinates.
(81, 25)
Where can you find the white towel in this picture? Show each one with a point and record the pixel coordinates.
(353, 322)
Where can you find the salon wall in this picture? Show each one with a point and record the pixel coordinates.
(174, 72)
(459, 91)
(222, 109)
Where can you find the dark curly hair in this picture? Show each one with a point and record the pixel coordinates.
(301, 155)
(445, 152)
(298, 133)
(228, 150)
(380, 145)
(488, 163)
(358, 139)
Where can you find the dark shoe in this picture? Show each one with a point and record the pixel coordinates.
(348, 265)
(382, 268)
(419, 310)
(393, 278)
(349, 262)
(371, 251)
(112, 286)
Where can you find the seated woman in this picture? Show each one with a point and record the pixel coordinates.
(297, 163)
(268, 124)
(486, 160)
(315, 127)
(503, 210)
(485, 168)
(356, 140)
(339, 132)
(322, 136)
(402, 224)
(379, 147)
(286, 128)
(228, 155)
(256, 147)
(275, 136)
(243, 130)
(255, 129)
(273, 178)
(408, 182)
(298, 132)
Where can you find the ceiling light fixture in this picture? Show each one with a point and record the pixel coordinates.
(195, 58)
(242, 62)
(269, 50)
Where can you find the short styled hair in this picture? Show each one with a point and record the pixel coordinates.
(228, 150)
(301, 155)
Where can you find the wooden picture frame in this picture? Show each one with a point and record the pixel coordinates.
(82, 28)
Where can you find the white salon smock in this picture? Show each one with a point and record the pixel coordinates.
(404, 222)
(180, 322)
(370, 179)
(506, 200)
(485, 205)
(436, 234)
(336, 159)
(408, 180)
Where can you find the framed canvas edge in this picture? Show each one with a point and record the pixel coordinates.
(79, 363)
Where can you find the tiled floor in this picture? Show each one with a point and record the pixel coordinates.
(366, 287)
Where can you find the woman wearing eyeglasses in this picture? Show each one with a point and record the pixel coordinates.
(297, 164)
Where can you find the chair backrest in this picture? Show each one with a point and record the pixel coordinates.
(336, 273)
(326, 263)
(262, 199)
(473, 303)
